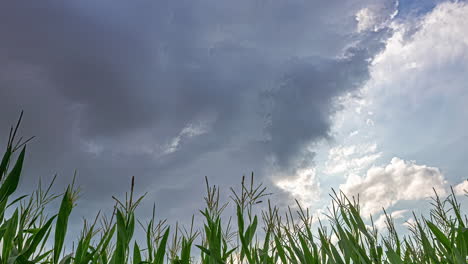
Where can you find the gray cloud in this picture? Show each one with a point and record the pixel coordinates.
(109, 86)
(302, 104)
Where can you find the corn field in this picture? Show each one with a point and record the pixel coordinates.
(270, 236)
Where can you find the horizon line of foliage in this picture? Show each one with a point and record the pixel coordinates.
(267, 237)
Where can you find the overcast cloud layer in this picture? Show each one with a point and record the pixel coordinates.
(172, 91)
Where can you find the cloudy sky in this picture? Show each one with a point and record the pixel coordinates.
(366, 96)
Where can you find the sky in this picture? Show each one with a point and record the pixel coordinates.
(364, 96)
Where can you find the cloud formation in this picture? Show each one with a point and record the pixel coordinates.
(173, 91)
(461, 188)
(351, 159)
(400, 180)
(413, 105)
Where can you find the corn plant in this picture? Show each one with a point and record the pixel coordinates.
(255, 235)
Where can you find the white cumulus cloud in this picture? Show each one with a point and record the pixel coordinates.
(426, 57)
(304, 186)
(461, 188)
(383, 187)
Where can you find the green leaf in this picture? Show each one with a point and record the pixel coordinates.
(62, 223)
(440, 236)
(393, 257)
(37, 238)
(136, 254)
(119, 254)
(9, 236)
(11, 182)
(5, 161)
(159, 256)
(67, 259)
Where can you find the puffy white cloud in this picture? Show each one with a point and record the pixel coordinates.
(417, 89)
(425, 57)
(461, 188)
(383, 187)
(419, 77)
(303, 186)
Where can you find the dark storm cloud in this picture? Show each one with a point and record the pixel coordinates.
(302, 104)
(171, 91)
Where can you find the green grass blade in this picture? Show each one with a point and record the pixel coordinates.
(61, 226)
(136, 254)
(11, 182)
(37, 238)
(161, 252)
